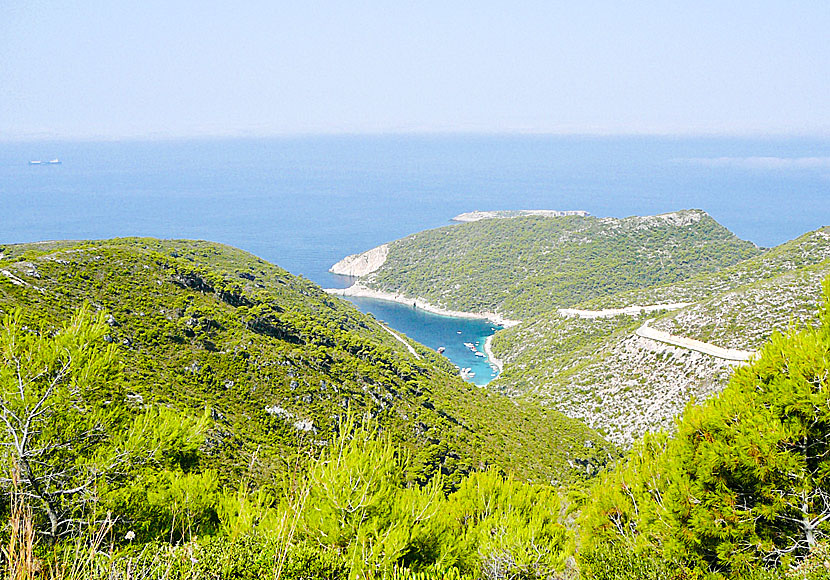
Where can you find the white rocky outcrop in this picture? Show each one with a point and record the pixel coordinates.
(474, 216)
(636, 385)
(14, 279)
(358, 265)
(678, 219)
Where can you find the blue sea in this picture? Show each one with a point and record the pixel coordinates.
(304, 203)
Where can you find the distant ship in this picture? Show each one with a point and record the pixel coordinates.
(50, 162)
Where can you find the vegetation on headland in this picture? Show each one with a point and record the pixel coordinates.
(598, 370)
(525, 266)
(807, 250)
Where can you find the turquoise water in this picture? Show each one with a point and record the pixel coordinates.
(304, 203)
(436, 331)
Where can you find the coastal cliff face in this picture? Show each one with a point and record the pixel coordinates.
(358, 265)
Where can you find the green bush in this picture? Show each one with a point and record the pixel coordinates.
(609, 561)
(254, 557)
(307, 562)
(501, 528)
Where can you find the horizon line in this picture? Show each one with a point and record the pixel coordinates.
(155, 136)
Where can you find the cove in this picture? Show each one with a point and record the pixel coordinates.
(436, 330)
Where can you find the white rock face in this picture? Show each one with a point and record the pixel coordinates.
(678, 219)
(681, 218)
(474, 216)
(361, 264)
(638, 385)
(305, 425)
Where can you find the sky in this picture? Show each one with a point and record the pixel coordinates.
(164, 68)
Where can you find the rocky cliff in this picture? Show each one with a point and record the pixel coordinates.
(358, 265)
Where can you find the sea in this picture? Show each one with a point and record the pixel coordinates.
(305, 202)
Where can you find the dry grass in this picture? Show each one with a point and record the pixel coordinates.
(18, 553)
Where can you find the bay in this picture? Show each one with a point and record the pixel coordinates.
(437, 331)
(306, 202)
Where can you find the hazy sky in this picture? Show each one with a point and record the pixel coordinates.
(113, 68)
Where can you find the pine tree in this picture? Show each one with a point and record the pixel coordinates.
(76, 451)
(54, 413)
(745, 481)
(753, 474)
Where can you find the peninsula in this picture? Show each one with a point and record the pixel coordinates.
(532, 263)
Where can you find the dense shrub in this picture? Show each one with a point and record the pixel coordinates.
(610, 561)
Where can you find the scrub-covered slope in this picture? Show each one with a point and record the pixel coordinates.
(525, 266)
(603, 371)
(278, 361)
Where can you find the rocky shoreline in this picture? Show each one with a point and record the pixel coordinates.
(359, 290)
(488, 350)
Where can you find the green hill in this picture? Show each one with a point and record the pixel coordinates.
(524, 266)
(278, 361)
(599, 370)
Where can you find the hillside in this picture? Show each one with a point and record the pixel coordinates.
(810, 248)
(602, 371)
(526, 265)
(278, 361)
